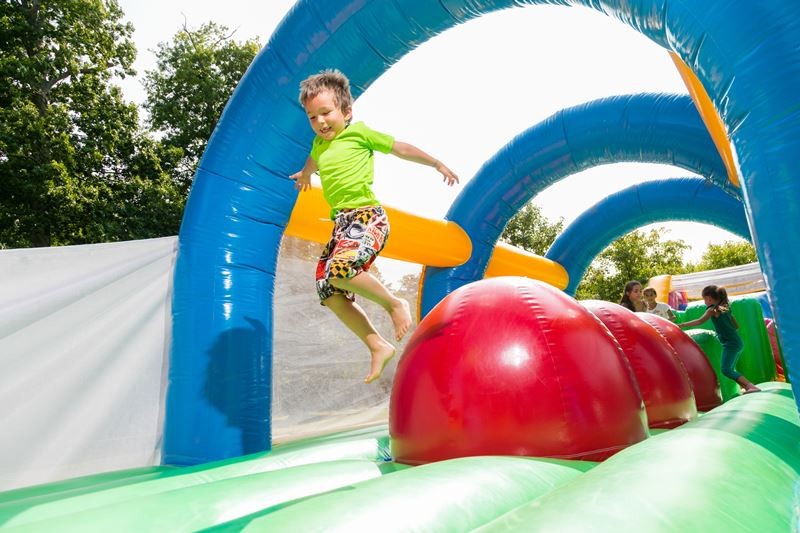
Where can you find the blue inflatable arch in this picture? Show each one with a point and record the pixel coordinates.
(644, 128)
(218, 400)
(692, 199)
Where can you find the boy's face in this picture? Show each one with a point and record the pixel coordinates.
(325, 116)
(649, 297)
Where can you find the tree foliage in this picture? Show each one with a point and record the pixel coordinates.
(530, 230)
(638, 255)
(74, 164)
(727, 254)
(196, 75)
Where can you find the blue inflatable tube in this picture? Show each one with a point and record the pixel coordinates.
(218, 399)
(654, 128)
(654, 201)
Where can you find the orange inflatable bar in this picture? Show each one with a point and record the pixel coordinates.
(509, 260)
(709, 115)
(416, 239)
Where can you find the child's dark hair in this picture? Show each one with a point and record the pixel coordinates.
(626, 300)
(327, 80)
(718, 293)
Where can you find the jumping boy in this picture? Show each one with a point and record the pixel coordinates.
(342, 155)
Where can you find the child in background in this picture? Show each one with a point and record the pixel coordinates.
(342, 154)
(718, 309)
(656, 308)
(632, 296)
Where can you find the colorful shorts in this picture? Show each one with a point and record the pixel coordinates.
(358, 237)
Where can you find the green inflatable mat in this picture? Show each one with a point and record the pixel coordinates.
(453, 495)
(45, 502)
(735, 469)
(203, 505)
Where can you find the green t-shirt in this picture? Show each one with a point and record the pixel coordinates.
(346, 166)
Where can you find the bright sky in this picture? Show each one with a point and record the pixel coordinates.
(464, 94)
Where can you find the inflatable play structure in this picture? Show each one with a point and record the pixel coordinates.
(678, 290)
(513, 407)
(750, 304)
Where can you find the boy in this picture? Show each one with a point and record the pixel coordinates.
(342, 154)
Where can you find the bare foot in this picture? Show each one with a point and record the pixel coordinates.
(380, 357)
(401, 317)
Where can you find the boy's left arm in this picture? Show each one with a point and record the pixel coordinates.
(409, 152)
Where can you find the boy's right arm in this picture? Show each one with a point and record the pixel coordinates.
(409, 152)
(303, 178)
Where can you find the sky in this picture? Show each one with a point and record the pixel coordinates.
(464, 94)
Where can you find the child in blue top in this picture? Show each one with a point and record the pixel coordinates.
(718, 309)
(342, 154)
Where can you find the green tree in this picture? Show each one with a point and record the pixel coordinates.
(196, 75)
(638, 255)
(74, 165)
(530, 230)
(727, 254)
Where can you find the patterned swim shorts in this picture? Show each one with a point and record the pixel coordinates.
(358, 237)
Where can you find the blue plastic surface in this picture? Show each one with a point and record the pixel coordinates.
(744, 52)
(655, 128)
(654, 201)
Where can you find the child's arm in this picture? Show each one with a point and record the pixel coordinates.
(735, 324)
(303, 178)
(409, 152)
(670, 314)
(698, 321)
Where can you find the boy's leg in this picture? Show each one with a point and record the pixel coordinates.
(357, 321)
(366, 285)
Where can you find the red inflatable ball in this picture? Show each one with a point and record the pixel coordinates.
(707, 394)
(512, 366)
(663, 381)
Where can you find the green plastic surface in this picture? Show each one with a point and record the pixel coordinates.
(80, 485)
(453, 495)
(33, 504)
(200, 506)
(734, 469)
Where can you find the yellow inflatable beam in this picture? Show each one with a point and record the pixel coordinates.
(709, 115)
(416, 239)
(662, 284)
(509, 260)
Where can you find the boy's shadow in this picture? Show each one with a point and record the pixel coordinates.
(238, 383)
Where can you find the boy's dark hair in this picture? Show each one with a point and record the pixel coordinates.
(718, 293)
(327, 80)
(650, 290)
